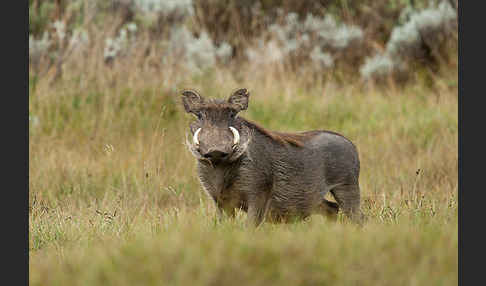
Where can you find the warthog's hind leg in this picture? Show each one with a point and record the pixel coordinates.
(348, 199)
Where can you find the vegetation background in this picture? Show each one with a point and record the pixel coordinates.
(113, 194)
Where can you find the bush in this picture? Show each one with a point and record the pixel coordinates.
(421, 38)
(317, 40)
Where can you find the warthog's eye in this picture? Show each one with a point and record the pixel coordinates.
(199, 115)
(233, 114)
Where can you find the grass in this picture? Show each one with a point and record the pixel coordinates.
(114, 198)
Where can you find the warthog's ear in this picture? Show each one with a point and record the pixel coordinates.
(191, 100)
(239, 99)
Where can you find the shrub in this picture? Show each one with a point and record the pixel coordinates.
(194, 53)
(318, 40)
(158, 15)
(420, 39)
(38, 48)
(122, 44)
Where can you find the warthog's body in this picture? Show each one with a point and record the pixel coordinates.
(272, 175)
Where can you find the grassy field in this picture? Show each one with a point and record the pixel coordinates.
(114, 198)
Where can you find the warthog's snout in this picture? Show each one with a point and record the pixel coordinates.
(215, 155)
(215, 143)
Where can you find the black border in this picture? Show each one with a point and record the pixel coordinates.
(20, 35)
(15, 126)
(471, 112)
(460, 18)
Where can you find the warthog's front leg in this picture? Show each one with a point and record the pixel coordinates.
(258, 206)
(224, 209)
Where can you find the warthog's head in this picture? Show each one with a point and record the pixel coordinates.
(218, 135)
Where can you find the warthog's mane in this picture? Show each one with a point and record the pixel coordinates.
(297, 139)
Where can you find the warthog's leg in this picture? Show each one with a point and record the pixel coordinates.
(329, 209)
(348, 199)
(229, 211)
(224, 208)
(258, 206)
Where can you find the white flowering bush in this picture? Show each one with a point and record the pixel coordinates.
(78, 38)
(179, 47)
(424, 32)
(122, 44)
(177, 8)
(160, 15)
(195, 53)
(60, 29)
(38, 47)
(224, 52)
(265, 52)
(379, 66)
(321, 40)
(56, 45)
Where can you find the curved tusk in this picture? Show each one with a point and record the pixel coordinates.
(196, 141)
(236, 135)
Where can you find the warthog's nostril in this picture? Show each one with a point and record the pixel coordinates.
(215, 155)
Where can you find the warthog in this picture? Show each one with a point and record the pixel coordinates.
(270, 175)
